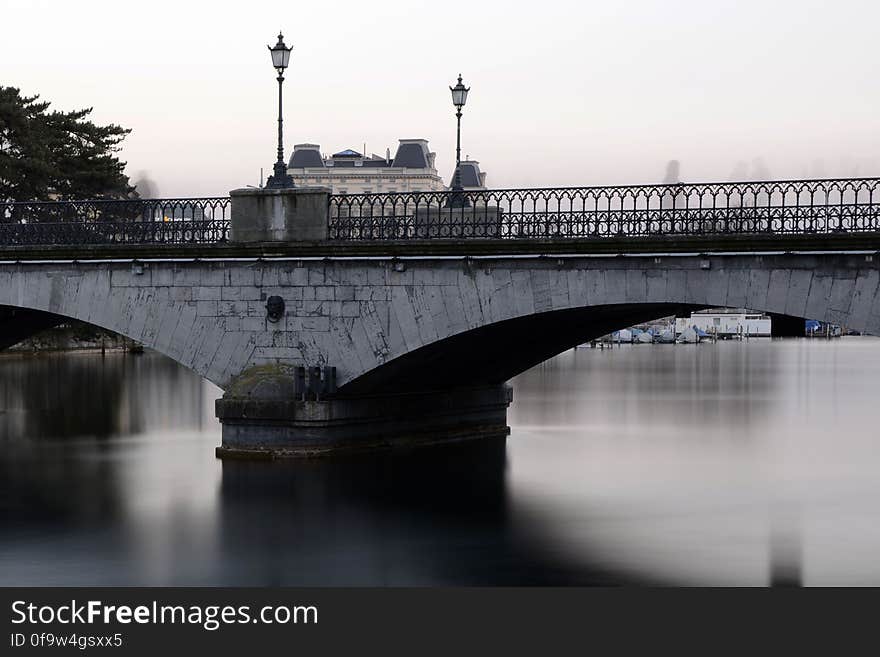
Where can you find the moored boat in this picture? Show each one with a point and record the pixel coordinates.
(622, 336)
(688, 336)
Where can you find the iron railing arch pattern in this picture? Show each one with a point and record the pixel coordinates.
(792, 207)
(788, 207)
(102, 222)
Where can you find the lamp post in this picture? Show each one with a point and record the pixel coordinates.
(459, 98)
(280, 58)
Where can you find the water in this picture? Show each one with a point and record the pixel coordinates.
(736, 463)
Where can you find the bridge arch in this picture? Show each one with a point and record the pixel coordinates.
(426, 323)
(35, 297)
(17, 324)
(501, 318)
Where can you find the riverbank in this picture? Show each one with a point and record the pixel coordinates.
(73, 336)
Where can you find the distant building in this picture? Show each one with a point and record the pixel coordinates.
(350, 172)
(472, 179)
(727, 322)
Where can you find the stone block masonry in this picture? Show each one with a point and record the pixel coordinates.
(357, 315)
(421, 326)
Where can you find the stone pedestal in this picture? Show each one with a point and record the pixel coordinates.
(297, 214)
(265, 415)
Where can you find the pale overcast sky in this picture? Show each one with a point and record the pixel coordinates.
(562, 93)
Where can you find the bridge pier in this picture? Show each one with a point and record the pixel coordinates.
(266, 413)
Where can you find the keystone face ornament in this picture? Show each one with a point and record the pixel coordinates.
(274, 308)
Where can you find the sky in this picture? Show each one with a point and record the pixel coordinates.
(562, 93)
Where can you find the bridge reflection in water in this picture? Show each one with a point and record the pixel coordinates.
(106, 478)
(736, 463)
(436, 515)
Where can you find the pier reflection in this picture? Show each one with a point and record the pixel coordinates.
(438, 515)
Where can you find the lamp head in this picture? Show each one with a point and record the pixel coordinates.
(459, 93)
(280, 54)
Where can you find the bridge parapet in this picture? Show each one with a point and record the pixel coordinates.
(115, 222)
(768, 209)
(792, 207)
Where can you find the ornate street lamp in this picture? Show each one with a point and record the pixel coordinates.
(280, 58)
(459, 98)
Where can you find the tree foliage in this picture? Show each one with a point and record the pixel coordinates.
(52, 155)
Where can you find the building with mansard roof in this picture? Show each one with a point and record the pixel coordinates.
(350, 172)
(472, 179)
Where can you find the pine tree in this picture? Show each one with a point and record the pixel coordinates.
(53, 155)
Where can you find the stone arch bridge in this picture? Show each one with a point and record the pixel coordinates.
(320, 344)
(447, 326)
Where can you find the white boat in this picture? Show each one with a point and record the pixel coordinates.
(688, 336)
(623, 335)
(666, 337)
(643, 338)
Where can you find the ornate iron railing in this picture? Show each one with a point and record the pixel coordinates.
(781, 207)
(129, 221)
(745, 208)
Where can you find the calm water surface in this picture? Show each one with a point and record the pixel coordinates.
(736, 463)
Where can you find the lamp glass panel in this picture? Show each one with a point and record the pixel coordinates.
(278, 57)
